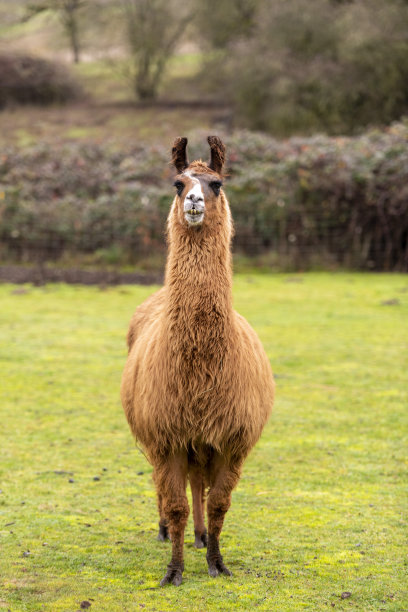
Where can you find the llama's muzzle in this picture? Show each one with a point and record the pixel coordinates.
(194, 208)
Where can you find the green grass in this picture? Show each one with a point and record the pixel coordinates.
(103, 80)
(27, 126)
(322, 504)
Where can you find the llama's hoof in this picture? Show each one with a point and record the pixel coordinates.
(218, 567)
(173, 576)
(200, 539)
(163, 534)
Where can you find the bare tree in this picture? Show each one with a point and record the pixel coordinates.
(68, 11)
(153, 29)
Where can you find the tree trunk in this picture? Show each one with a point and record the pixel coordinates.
(70, 21)
(74, 42)
(146, 88)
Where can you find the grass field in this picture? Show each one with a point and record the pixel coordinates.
(318, 520)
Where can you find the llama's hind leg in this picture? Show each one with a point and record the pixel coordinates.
(224, 478)
(171, 482)
(197, 484)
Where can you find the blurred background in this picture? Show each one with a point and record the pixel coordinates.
(310, 98)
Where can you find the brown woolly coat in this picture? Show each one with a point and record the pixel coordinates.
(196, 375)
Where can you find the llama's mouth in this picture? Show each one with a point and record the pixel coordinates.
(194, 216)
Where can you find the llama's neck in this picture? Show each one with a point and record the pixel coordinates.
(199, 288)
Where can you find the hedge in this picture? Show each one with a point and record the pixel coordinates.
(306, 201)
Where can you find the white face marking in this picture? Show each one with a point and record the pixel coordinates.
(196, 190)
(193, 178)
(194, 200)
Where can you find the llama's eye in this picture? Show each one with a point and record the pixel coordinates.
(179, 186)
(216, 186)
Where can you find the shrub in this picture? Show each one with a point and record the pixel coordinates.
(32, 80)
(338, 67)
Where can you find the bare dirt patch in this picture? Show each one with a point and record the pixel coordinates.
(41, 275)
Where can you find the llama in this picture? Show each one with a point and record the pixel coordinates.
(197, 387)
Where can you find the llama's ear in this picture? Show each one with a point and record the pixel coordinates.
(217, 154)
(179, 155)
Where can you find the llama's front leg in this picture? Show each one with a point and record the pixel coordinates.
(163, 534)
(196, 478)
(171, 482)
(224, 478)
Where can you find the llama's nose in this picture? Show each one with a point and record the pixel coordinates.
(194, 199)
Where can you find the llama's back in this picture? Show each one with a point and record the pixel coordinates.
(144, 315)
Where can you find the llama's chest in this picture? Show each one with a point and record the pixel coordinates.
(193, 387)
(196, 346)
(194, 370)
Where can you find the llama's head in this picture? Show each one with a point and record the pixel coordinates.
(199, 196)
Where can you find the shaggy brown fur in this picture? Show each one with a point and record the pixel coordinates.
(197, 388)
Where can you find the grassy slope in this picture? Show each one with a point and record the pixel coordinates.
(108, 112)
(321, 506)
(112, 127)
